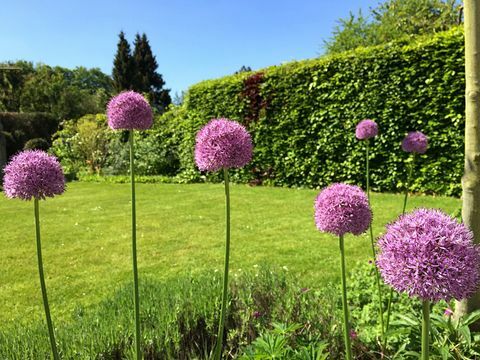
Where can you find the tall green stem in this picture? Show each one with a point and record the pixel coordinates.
(221, 325)
(407, 187)
(136, 296)
(346, 323)
(425, 330)
(42, 283)
(377, 275)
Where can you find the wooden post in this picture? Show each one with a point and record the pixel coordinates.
(471, 176)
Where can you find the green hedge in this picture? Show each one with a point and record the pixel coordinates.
(303, 115)
(36, 129)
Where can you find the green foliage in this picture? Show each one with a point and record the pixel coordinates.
(138, 71)
(304, 134)
(147, 79)
(12, 79)
(279, 343)
(123, 67)
(350, 33)
(20, 128)
(62, 92)
(178, 319)
(451, 339)
(83, 145)
(89, 145)
(36, 143)
(393, 20)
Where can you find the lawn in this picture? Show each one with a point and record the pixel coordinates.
(86, 239)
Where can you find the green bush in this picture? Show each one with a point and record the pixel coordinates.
(302, 116)
(37, 144)
(20, 128)
(88, 146)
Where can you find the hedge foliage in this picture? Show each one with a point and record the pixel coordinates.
(32, 129)
(302, 116)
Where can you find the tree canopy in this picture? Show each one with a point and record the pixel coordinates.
(394, 19)
(63, 92)
(138, 71)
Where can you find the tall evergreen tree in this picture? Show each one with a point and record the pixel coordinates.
(123, 66)
(147, 79)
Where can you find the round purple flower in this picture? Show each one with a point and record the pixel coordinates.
(341, 209)
(415, 142)
(366, 129)
(223, 143)
(33, 174)
(430, 255)
(129, 110)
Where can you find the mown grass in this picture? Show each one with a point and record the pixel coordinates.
(86, 239)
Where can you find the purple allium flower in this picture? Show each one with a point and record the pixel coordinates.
(353, 334)
(415, 142)
(257, 314)
(448, 312)
(366, 129)
(129, 110)
(341, 209)
(33, 174)
(222, 143)
(430, 255)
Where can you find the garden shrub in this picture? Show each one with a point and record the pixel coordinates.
(302, 116)
(20, 128)
(36, 144)
(87, 146)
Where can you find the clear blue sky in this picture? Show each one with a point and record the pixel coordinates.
(193, 40)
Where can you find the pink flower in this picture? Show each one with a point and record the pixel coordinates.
(341, 209)
(430, 255)
(129, 110)
(223, 144)
(366, 129)
(33, 174)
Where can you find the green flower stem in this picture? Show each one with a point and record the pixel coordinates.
(221, 325)
(136, 300)
(377, 274)
(42, 283)
(425, 329)
(346, 324)
(407, 186)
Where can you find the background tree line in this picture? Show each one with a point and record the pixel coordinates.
(70, 94)
(392, 20)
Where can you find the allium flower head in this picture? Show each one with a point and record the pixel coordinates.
(33, 174)
(222, 143)
(430, 255)
(415, 142)
(366, 129)
(129, 110)
(341, 209)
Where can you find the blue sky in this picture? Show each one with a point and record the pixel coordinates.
(193, 40)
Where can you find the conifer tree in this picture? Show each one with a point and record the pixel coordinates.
(147, 79)
(123, 66)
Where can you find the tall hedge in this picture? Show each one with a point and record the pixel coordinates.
(303, 115)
